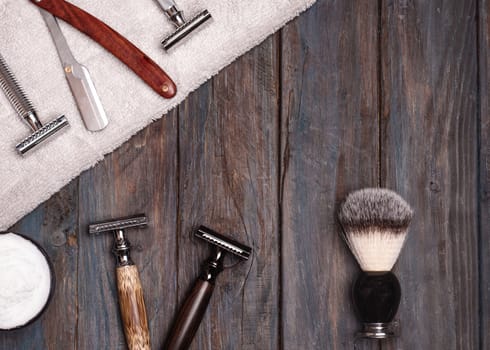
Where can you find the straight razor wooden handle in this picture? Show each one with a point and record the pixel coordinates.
(113, 42)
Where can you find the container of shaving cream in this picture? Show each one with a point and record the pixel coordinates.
(26, 281)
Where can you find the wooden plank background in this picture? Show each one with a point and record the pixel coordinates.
(349, 95)
(484, 170)
(429, 146)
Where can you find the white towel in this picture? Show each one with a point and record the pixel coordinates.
(26, 45)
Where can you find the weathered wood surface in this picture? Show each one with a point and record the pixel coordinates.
(429, 155)
(484, 166)
(351, 94)
(228, 181)
(329, 146)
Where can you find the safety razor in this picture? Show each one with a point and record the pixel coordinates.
(24, 108)
(130, 291)
(193, 309)
(184, 28)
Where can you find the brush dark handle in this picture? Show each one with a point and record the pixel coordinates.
(190, 316)
(113, 42)
(376, 296)
(132, 306)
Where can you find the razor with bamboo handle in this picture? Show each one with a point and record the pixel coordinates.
(130, 291)
(113, 42)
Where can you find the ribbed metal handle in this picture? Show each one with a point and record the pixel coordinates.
(17, 96)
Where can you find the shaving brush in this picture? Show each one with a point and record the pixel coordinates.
(375, 223)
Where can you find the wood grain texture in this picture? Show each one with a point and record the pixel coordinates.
(429, 144)
(228, 182)
(140, 177)
(329, 146)
(190, 316)
(132, 308)
(54, 226)
(484, 193)
(351, 94)
(113, 42)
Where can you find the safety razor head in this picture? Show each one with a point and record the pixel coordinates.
(185, 29)
(119, 224)
(230, 245)
(42, 134)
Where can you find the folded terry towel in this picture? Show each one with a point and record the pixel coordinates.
(25, 43)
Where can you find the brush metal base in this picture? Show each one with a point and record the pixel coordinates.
(378, 331)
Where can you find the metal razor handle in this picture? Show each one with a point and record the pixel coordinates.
(132, 306)
(166, 4)
(190, 316)
(172, 11)
(17, 97)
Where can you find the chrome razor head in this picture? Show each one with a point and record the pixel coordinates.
(185, 29)
(223, 242)
(122, 246)
(119, 224)
(42, 134)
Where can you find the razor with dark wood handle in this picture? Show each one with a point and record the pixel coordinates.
(190, 316)
(194, 308)
(113, 42)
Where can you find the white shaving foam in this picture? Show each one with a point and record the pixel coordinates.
(25, 281)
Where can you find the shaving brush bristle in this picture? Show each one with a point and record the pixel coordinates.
(375, 223)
